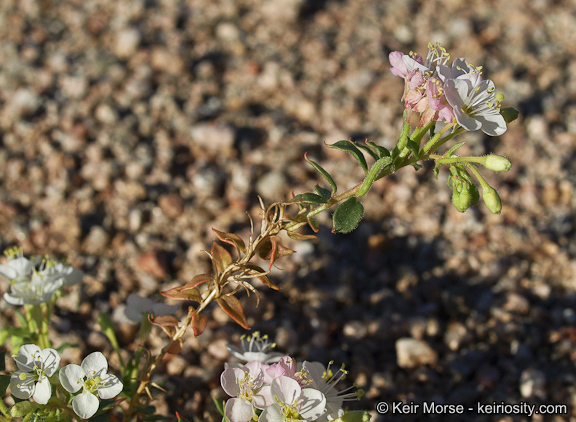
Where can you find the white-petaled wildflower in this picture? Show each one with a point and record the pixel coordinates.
(35, 280)
(92, 377)
(246, 386)
(474, 104)
(35, 366)
(293, 403)
(255, 347)
(137, 306)
(324, 380)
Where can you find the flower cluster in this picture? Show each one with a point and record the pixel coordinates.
(456, 93)
(36, 367)
(35, 280)
(282, 391)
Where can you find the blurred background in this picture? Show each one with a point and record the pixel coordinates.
(128, 129)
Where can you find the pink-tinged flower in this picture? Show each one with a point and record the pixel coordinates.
(286, 367)
(474, 104)
(438, 107)
(246, 386)
(403, 64)
(293, 403)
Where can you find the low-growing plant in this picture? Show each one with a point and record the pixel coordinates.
(441, 102)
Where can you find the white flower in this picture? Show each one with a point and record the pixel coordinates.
(246, 386)
(92, 378)
(459, 68)
(136, 306)
(255, 347)
(324, 380)
(34, 281)
(34, 368)
(474, 104)
(293, 402)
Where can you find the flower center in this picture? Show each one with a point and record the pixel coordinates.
(91, 384)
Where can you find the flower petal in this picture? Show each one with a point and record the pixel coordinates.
(313, 404)
(95, 364)
(72, 377)
(22, 388)
(110, 387)
(43, 391)
(85, 405)
(26, 357)
(238, 410)
(229, 383)
(286, 389)
(272, 413)
(50, 361)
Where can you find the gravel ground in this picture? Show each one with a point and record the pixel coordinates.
(128, 129)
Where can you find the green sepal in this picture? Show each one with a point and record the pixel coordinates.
(369, 150)
(323, 173)
(323, 192)
(347, 216)
(348, 146)
(309, 198)
(381, 151)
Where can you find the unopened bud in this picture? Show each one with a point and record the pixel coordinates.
(497, 163)
(492, 199)
(461, 200)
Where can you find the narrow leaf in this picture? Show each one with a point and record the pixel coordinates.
(309, 198)
(231, 305)
(220, 404)
(164, 320)
(453, 148)
(220, 257)
(198, 323)
(300, 236)
(365, 147)
(107, 328)
(231, 239)
(349, 147)
(382, 152)
(323, 172)
(261, 274)
(183, 293)
(314, 225)
(323, 192)
(348, 215)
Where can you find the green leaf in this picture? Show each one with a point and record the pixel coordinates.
(323, 172)
(2, 361)
(107, 328)
(381, 151)
(413, 147)
(510, 114)
(349, 147)
(4, 383)
(453, 148)
(220, 404)
(23, 408)
(309, 198)
(347, 216)
(323, 192)
(369, 150)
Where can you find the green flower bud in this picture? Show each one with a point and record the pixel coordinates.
(492, 199)
(461, 200)
(497, 163)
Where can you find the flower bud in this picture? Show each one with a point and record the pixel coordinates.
(497, 163)
(461, 200)
(492, 199)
